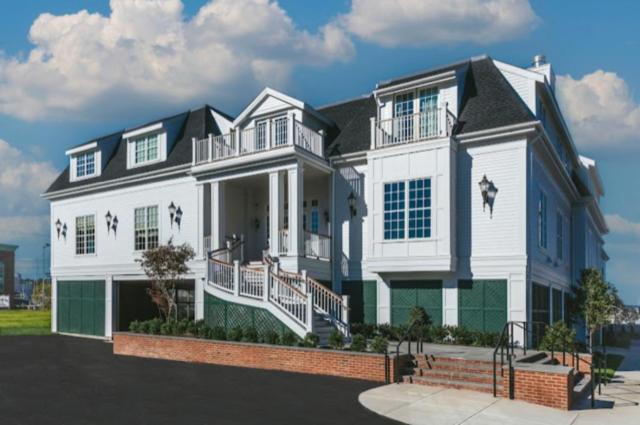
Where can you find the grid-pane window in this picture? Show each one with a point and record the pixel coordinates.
(261, 135)
(146, 228)
(280, 131)
(428, 112)
(542, 220)
(86, 164)
(146, 149)
(394, 210)
(403, 111)
(420, 208)
(185, 303)
(85, 235)
(560, 236)
(2, 278)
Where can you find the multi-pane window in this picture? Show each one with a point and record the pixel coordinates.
(280, 131)
(86, 164)
(146, 228)
(1, 278)
(85, 235)
(428, 112)
(261, 135)
(403, 111)
(185, 303)
(542, 220)
(394, 210)
(560, 236)
(146, 149)
(420, 208)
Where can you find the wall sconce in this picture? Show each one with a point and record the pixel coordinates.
(58, 227)
(256, 223)
(326, 216)
(64, 231)
(178, 219)
(108, 218)
(172, 212)
(489, 192)
(114, 225)
(351, 200)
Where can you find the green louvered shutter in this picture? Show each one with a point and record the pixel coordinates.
(370, 301)
(482, 304)
(407, 294)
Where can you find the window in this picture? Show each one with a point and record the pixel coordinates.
(146, 228)
(560, 236)
(428, 112)
(1, 278)
(403, 111)
(185, 303)
(542, 221)
(280, 125)
(420, 208)
(261, 135)
(86, 164)
(146, 149)
(315, 217)
(85, 235)
(394, 210)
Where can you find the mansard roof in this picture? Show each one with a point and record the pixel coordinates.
(352, 132)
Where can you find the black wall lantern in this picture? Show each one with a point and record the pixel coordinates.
(64, 231)
(178, 217)
(172, 212)
(351, 200)
(489, 192)
(114, 225)
(108, 218)
(58, 227)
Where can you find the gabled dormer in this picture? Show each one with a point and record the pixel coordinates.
(151, 143)
(87, 161)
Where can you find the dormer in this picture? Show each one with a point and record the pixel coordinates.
(151, 143)
(88, 160)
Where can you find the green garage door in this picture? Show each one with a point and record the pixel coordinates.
(482, 304)
(407, 294)
(81, 307)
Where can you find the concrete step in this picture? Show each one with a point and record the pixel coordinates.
(452, 375)
(447, 383)
(457, 366)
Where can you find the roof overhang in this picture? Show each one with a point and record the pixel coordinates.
(430, 80)
(142, 130)
(80, 149)
(6, 247)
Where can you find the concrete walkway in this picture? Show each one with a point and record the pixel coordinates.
(619, 404)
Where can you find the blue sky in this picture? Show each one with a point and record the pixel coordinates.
(67, 76)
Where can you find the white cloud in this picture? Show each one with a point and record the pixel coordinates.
(620, 225)
(19, 228)
(86, 64)
(415, 23)
(600, 109)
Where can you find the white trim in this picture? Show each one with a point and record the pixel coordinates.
(495, 132)
(82, 148)
(425, 81)
(143, 130)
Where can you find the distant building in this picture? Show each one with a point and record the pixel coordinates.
(7, 270)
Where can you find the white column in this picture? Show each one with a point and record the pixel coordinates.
(199, 298)
(54, 304)
(296, 196)
(201, 214)
(276, 201)
(384, 301)
(217, 215)
(450, 301)
(291, 117)
(108, 306)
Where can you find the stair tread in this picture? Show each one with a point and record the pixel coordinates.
(453, 373)
(450, 382)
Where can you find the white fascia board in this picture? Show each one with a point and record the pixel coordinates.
(143, 130)
(526, 73)
(509, 130)
(83, 148)
(430, 80)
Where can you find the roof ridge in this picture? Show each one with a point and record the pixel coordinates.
(342, 102)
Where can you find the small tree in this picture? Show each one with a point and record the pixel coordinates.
(164, 265)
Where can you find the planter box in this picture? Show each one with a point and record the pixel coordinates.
(366, 366)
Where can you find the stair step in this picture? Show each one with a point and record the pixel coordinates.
(470, 367)
(458, 375)
(473, 386)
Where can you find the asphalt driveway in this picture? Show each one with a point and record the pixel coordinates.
(65, 381)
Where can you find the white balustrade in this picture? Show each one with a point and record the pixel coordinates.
(251, 282)
(283, 239)
(201, 150)
(221, 275)
(308, 139)
(289, 299)
(428, 124)
(316, 245)
(224, 146)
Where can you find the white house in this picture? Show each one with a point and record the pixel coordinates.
(459, 189)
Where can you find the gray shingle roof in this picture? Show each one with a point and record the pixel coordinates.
(352, 132)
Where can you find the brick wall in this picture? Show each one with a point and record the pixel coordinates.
(8, 259)
(370, 367)
(551, 389)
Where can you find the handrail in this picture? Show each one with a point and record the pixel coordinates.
(289, 299)
(407, 337)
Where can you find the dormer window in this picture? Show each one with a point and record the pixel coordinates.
(146, 149)
(86, 165)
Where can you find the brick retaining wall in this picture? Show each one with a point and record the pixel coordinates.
(547, 388)
(367, 366)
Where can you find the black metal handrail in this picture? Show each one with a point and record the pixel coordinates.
(407, 338)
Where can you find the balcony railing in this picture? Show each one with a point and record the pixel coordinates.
(431, 123)
(272, 134)
(317, 246)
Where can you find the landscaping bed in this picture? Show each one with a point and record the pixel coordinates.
(25, 322)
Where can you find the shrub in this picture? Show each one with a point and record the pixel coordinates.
(235, 334)
(418, 316)
(336, 339)
(181, 327)
(271, 337)
(153, 326)
(167, 328)
(461, 335)
(557, 337)
(311, 340)
(358, 343)
(217, 332)
(485, 339)
(250, 335)
(368, 330)
(201, 330)
(379, 344)
(288, 338)
(134, 327)
(437, 334)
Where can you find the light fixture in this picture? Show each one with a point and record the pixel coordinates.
(108, 218)
(58, 227)
(489, 192)
(172, 212)
(114, 224)
(351, 200)
(64, 231)
(326, 216)
(178, 216)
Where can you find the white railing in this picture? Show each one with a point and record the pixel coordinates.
(308, 139)
(273, 133)
(431, 123)
(283, 241)
(328, 302)
(289, 299)
(316, 245)
(251, 283)
(221, 275)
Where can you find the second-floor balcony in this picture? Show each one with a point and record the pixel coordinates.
(267, 135)
(432, 123)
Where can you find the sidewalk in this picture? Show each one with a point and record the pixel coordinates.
(619, 404)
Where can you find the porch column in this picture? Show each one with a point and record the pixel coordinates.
(276, 209)
(199, 298)
(108, 306)
(217, 215)
(296, 195)
(200, 249)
